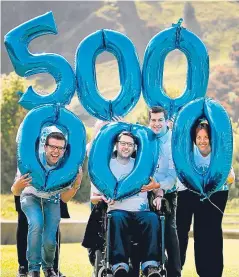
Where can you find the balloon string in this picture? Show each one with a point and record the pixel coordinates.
(178, 32)
(206, 197)
(215, 205)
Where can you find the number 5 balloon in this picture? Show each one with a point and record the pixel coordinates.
(27, 64)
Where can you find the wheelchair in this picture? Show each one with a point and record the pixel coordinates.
(100, 260)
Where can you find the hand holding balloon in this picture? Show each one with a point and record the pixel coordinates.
(20, 184)
(151, 185)
(78, 180)
(95, 198)
(107, 201)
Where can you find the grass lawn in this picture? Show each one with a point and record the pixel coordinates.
(82, 211)
(76, 210)
(74, 260)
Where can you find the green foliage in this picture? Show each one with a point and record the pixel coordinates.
(11, 114)
(83, 194)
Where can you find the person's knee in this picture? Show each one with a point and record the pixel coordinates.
(49, 244)
(151, 219)
(36, 226)
(118, 216)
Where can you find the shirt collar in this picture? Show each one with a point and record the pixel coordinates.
(165, 137)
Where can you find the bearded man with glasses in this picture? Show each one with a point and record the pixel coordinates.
(128, 214)
(42, 210)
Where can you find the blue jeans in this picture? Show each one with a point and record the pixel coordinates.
(43, 219)
(125, 224)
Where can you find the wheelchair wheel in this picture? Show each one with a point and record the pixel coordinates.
(163, 273)
(98, 263)
(103, 273)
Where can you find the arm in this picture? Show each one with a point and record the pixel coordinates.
(170, 176)
(69, 194)
(166, 177)
(96, 198)
(152, 185)
(20, 183)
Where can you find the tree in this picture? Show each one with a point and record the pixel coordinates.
(12, 115)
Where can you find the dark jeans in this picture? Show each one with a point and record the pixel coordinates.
(125, 224)
(22, 231)
(208, 238)
(171, 238)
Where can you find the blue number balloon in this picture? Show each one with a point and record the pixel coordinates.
(157, 49)
(221, 144)
(28, 142)
(26, 63)
(129, 69)
(145, 163)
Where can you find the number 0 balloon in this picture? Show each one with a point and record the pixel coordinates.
(158, 48)
(145, 163)
(28, 142)
(221, 145)
(129, 70)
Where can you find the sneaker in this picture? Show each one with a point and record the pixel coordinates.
(34, 274)
(22, 272)
(59, 274)
(152, 271)
(50, 273)
(120, 272)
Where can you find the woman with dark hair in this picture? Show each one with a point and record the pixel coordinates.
(208, 214)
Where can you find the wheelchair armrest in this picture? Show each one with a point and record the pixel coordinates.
(165, 207)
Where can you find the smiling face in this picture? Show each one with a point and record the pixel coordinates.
(203, 142)
(54, 150)
(158, 123)
(125, 146)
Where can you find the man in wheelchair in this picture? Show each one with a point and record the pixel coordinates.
(129, 216)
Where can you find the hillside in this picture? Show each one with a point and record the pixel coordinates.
(216, 23)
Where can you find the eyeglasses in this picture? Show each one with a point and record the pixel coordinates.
(54, 147)
(124, 143)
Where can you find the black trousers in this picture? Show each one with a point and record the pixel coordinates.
(208, 238)
(171, 238)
